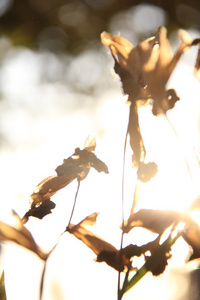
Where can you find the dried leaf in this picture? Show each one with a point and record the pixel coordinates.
(114, 259)
(48, 187)
(117, 259)
(145, 69)
(153, 261)
(146, 171)
(39, 212)
(76, 166)
(20, 235)
(136, 140)
(191, 235)
(127, 65)
(94, 242)
(104, 250)
(154, 220)
(88, 221)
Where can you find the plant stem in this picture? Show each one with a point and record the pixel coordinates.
(75, 198)
(45, 263)
(122, 236)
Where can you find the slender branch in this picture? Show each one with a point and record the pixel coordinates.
(42, 280)
(45, 263)
(75, 198)
(122, 236)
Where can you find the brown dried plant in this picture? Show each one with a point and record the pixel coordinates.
(144, 71)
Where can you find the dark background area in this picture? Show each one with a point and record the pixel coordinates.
(59, 25)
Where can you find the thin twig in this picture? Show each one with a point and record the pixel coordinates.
(75, 198)
(122, 236)
(42, 280)
(44, 269)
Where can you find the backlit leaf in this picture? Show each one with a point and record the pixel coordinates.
(20, 235)
(154, 220)
(76, 166)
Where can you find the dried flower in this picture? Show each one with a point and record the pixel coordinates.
(145, 69)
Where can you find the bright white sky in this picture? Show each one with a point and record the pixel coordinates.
(44, 127)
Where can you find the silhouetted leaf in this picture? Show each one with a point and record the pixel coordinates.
(105, 251)
(146, 171)
(94, 242)
(82, 161)
(88, 221)
(114, 259)
(76, 166)
(153, 262)
(39, 211)
(154, 220)
(20, 235)
(48, 187)
(136, 140)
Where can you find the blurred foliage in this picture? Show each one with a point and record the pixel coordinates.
(66, 25)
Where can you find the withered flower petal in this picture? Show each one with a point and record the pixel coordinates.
(146, 69)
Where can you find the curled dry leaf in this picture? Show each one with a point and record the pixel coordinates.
(39, 212)
(76, 166)
(156, 221)
(136, 141)
(128, 65)
(21, 236)
(48, 187)
(105, 251)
